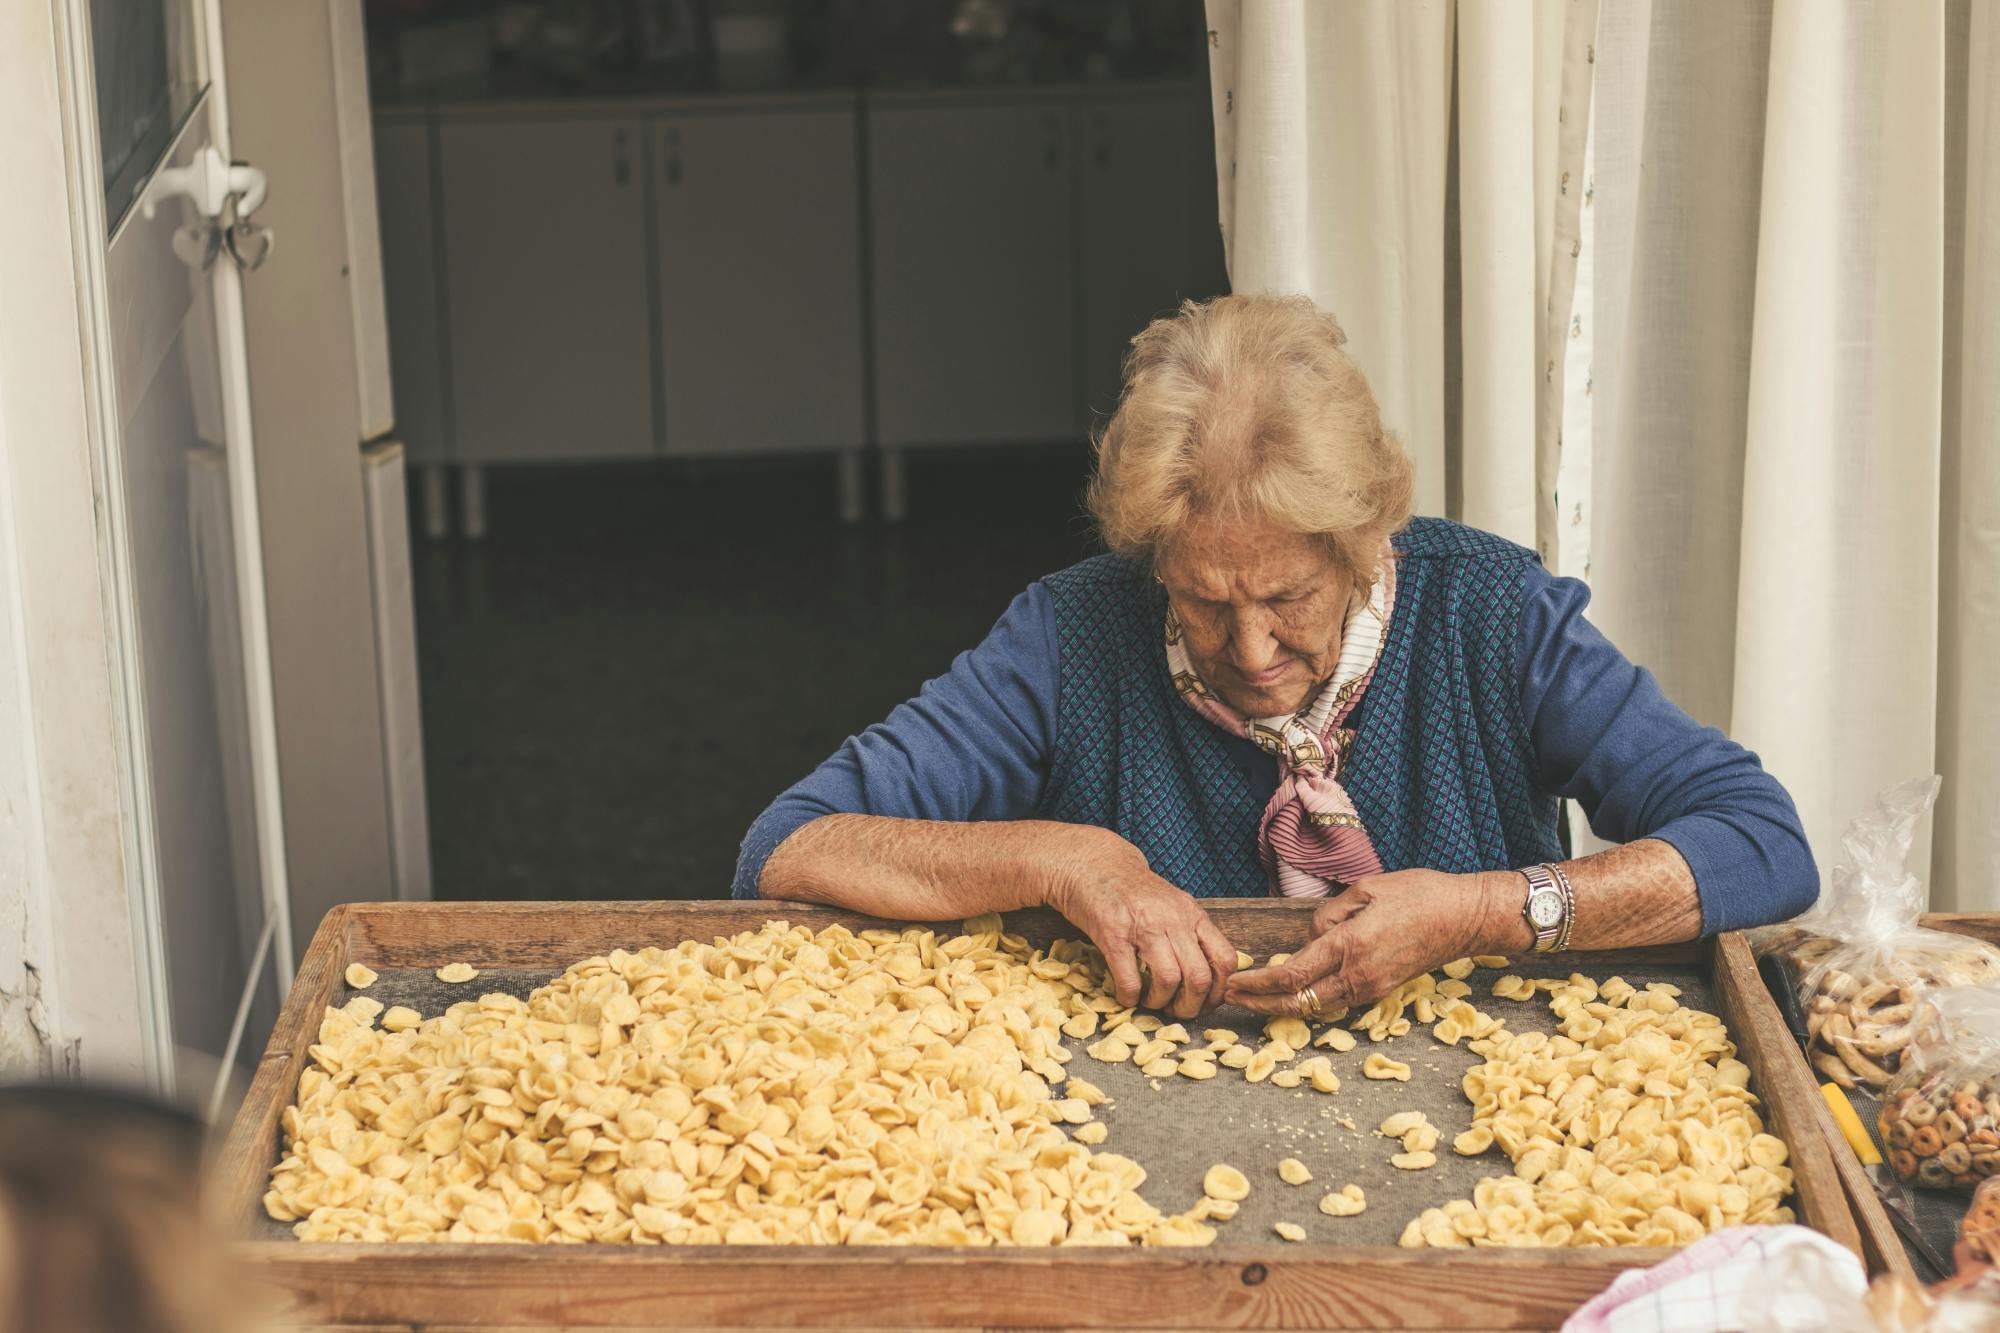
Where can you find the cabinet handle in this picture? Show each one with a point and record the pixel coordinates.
(671, 164)
(621, 157)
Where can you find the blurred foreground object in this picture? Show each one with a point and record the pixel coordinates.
(100, 1217)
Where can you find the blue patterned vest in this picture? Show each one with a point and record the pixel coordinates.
(1441, 770)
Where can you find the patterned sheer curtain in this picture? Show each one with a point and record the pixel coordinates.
(1755, 249)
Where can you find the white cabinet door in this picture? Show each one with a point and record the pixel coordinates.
(760, 281)
(404, 177)
(1139, 228)
(545, 263)
(972, 248)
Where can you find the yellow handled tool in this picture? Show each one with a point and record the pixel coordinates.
(1850, 1124)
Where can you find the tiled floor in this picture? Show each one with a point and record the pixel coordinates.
(637, 659)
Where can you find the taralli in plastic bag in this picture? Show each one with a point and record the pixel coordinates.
(1941, 1114)
(1860, 959)
(1979, 1233)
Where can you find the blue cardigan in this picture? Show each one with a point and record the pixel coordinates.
(982, 742)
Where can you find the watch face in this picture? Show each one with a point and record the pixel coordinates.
(1545, 909)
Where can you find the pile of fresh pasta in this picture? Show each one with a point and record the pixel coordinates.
(778, 1087)
(1634, 1126)
(901, 1087)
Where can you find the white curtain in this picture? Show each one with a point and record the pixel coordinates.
(1786, 371)
(1334, 145)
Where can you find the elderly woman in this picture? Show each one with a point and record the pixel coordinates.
(1278, 681)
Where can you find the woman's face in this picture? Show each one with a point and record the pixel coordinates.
(1260, 609)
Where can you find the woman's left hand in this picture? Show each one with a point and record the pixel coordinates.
(1384, 930)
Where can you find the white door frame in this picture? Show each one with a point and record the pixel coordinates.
(75, 826)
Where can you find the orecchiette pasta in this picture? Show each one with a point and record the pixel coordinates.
(1346, 1203)
(834, 1088)
(1634, 1126)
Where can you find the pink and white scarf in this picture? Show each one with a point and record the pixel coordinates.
(1310, 837)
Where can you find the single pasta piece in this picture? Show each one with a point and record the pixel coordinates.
(1085, 1091)
(360, 976)
(1474, 1141)
(1195, 1069)
(1110, 1051)
(401, 1018)
(1092, 1133)
(1164, 1067)
(1287, 1078)
(1339, 1039)
(455, 974)
(1489, 960)
(1346, 1202)
(1293, 1032)
(1401, 1123)
(1222, 1209)
(1458, 969)
(1290, 1230)
(1378, 1065)
(1223, 1181)
(1413, 1161)
(1293, 1172)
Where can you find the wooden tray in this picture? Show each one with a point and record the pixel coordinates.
(1881, 1245)
(1241, 1284)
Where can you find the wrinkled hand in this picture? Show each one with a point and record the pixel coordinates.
(1136, 918)
(1378, 934)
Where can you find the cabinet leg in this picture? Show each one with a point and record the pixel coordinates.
(472, 500)
(895, 493)
(848, 464)
(434, 488)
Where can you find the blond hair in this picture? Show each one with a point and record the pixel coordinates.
(1248, 409)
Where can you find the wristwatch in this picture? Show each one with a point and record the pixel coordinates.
(1550, 907)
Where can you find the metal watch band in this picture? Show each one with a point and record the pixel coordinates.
(1569, 907)
(1543, 880)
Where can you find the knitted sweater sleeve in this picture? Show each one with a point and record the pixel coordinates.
(974, 744)
(1605, 735)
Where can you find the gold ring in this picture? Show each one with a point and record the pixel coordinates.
(1308, 1000)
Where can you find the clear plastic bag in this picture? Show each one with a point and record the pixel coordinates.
(1809, 1291)
(1979, 1232)
(1860, 960)
(1941, 1114)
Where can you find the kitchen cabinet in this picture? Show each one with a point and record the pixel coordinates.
(404, 176)
(757, 229)
(723, 276)
(971, 218)
(1146, 166)
(545, 287)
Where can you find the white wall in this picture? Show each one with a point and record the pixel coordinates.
(69, 989)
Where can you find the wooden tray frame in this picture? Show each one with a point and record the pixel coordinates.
(1235, 1284)
(1881, 1245)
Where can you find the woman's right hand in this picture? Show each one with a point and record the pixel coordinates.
(1103, 885)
